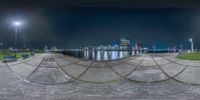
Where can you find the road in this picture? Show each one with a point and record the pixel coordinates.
(57, 77)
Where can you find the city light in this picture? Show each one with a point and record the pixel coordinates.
(17, 23)
(190, 39)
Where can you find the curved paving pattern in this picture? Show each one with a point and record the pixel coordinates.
(52, 76)
(57, 69)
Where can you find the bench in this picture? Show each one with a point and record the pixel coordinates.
(32, 54)
(25, 56)
(9, 59)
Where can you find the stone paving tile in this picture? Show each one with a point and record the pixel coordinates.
(148, 74)
(48, 76)
(191, 75)
(161, 61)
(131, 61)
(148, 61)
(84, 63)
(71, 59)
(124, 69)
(14, 88)
(172, 69)
(99, 75)
(74, 70)
(23, 70)
(99, 64)
(6, 76)
(62, 62)
(113, 63)
(2, 64)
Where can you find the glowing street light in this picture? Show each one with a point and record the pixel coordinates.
(16, 24)
(192, 47)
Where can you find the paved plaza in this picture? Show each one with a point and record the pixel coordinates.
(57, 77)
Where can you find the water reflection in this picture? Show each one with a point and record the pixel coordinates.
(105, 55)
(101, 55)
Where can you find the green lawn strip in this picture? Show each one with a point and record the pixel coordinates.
(19, 55)
(189, 56)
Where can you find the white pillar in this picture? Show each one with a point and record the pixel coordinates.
(192, 46)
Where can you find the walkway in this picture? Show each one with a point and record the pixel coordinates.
(55, 76)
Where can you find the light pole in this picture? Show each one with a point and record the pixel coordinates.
(192, 47)
(16, 24)
(181, 47)
(1, 46)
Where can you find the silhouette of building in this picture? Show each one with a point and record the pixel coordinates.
(138, 45)
(124, 43)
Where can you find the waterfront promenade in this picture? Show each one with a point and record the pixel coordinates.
(57, 77)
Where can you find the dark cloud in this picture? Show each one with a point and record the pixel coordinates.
(101, 3)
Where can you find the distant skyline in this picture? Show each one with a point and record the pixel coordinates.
(83, 26)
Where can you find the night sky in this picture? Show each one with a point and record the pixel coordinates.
(67, 26)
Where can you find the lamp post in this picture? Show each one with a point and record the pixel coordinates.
(192, 47)
(181, 47)
(16, 24)
(1, 46)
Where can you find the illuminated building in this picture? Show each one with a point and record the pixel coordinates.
(124, 43)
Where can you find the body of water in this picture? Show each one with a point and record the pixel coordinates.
(100, 55)
(103, 55)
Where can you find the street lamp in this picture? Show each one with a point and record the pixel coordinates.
(16, 24)
(181, 47)
(1, 44)
(192, 47)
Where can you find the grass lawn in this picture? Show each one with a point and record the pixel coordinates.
(189, 56)
(19, 55)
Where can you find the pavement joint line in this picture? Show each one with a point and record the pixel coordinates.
(35, 68)
(103, 62)
(129, 72)
(30, 64)
(15, 89)
(123, 63)
(135, 68)
(111, 67)
(22, 92)
(177, 62)
(157, 81)
(41, 83)
(121, 76)
(25, 79)
(139, 62)
(67, 58)
(84, 65)
(65, 71)
(72, 64)
(174, 77)
(173, 61)
(125, 77)
(85, 71)
(143, 59)
(78, 79)
(13, 72)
